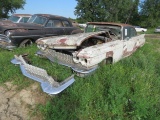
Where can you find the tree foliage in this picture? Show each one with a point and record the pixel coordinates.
(90, 10)
(145, 13)
(120, 10)
(106, 10)
(150, 13)
(10, 6)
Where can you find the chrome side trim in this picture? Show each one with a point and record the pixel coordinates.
(48, 84)
(26, 36)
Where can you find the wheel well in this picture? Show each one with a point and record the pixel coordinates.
(28, 39)
(23, 41)
(109, 60)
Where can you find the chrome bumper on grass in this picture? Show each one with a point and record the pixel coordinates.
(48, 84)
(5, 43)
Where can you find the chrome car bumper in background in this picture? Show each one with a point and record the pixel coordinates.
(48, 84)
(5, 42)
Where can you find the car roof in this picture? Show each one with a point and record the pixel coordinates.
(110, 23)
(22, 15)
(52, 16)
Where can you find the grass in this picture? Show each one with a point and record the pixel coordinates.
(128, 89)
(150, 31)
(10, 72)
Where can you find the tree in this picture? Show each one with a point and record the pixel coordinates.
(134, 17)
(90, 10)
(107, 10)
(150, 12)
(10, 6)
(121, 10)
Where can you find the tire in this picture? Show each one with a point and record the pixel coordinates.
(25, 43)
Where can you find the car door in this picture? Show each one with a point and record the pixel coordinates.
(68, 27)
(130, 40)
(54, 28)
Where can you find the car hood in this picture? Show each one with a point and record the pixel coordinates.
(10, 25)
(66, 40)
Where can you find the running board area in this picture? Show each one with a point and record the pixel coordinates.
(48, 84)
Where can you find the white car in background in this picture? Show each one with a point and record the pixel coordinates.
(157, 30)
(139, 29)
(82, 25)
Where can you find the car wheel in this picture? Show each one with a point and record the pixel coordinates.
(25, 43)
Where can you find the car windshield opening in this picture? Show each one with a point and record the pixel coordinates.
(14, 18)
(37, 20)
(113, 30)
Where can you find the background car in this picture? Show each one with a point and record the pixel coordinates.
(157, 30)
(38, 26)
(139, 29)
(83, 25)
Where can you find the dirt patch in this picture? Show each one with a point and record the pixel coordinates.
(153, 36)
(17, 105)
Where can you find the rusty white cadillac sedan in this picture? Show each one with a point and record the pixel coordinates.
(107, 42)
(101, 42)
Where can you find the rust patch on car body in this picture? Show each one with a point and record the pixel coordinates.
(7, 23)
(62, 40)
(127, 53)
(109, 54)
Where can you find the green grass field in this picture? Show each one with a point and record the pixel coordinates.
(126, 90)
